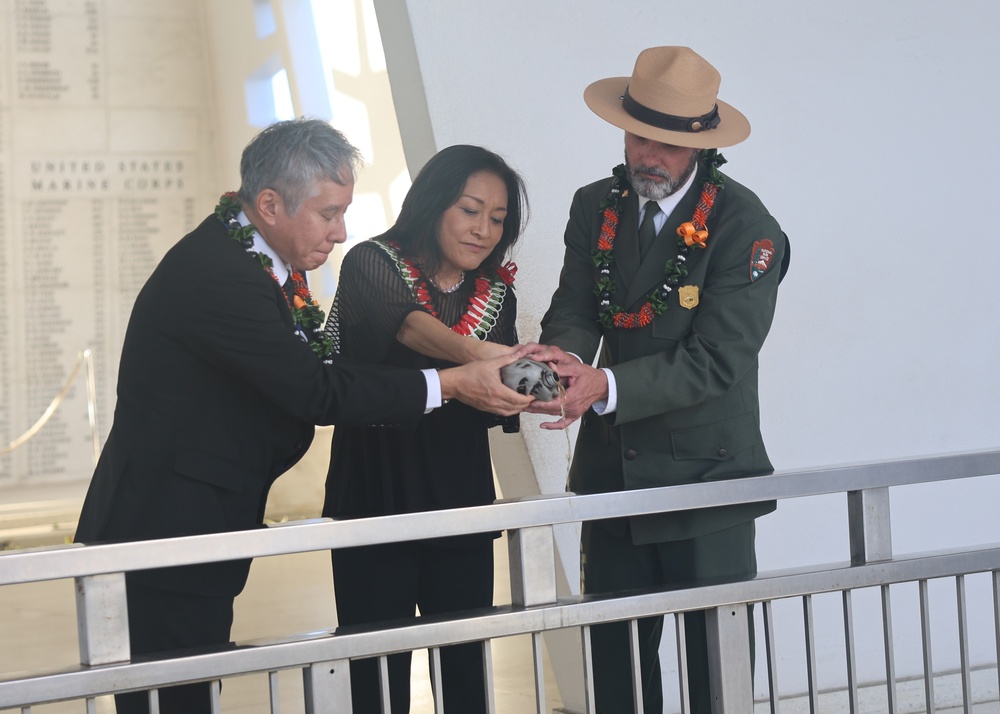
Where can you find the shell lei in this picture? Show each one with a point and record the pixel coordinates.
(692, 234)
(484, 305)
(307, 317)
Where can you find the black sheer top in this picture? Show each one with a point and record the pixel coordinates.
(445, 462)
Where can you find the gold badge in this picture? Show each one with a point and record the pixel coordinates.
(688, 296)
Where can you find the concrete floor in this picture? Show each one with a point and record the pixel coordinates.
(285, 594)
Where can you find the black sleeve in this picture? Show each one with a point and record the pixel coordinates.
(371, 303)
(233, 320)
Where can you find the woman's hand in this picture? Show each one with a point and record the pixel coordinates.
(489, 350)
(424, 333)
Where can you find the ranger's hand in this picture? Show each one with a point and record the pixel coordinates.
(584, 386)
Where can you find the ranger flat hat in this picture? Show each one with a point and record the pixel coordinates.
(672, 97)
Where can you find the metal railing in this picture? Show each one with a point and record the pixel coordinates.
(105, 666)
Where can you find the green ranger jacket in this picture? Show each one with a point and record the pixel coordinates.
(688, 409)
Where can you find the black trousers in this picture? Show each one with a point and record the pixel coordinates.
(388, 582)
(161, 621)
(613, 563)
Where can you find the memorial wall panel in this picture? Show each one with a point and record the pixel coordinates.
(105, 161)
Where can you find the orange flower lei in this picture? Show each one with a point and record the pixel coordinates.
(307, 317)
(484, 305)
(692, 234)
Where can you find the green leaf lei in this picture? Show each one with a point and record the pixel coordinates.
(674, 270)
(307, 316)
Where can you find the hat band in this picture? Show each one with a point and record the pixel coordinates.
(669, 121)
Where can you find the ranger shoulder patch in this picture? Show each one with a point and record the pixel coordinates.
(760, 258)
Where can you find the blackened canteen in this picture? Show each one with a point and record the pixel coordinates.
(526, 376)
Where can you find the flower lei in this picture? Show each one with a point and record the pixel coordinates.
(306, 313)
(691, 234)
(484, 305)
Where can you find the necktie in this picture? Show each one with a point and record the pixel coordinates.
(289, 289)
(647, 230)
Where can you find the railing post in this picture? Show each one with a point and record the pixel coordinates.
(728, 630)
(869, 525)
(327, 687)
(102, 619)
(532, 556)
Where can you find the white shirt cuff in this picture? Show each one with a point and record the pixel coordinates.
(610, 405)
(433, 389)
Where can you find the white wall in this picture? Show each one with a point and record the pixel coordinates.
(873, 144)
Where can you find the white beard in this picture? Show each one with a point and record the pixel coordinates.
(656, 190)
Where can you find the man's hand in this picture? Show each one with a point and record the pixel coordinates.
(584, 386)
(559, 360)
(478, 385)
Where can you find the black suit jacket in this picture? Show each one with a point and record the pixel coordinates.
(217, 398)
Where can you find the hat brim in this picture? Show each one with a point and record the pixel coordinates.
(604, 97)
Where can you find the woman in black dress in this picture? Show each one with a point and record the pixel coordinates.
(432, 291)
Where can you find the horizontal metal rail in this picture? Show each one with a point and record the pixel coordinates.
(301, 651)
(59, 562)
(100, 589)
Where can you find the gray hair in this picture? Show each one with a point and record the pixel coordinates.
(291, 156)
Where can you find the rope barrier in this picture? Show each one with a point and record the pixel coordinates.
(85, 358)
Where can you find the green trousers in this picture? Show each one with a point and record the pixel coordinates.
(611, 563)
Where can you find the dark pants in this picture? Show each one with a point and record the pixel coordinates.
(161, 621)
(388, 582)
(612, 563)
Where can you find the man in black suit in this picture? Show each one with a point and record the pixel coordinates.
(224, 371)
